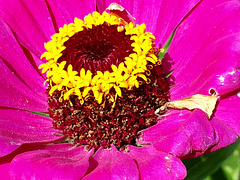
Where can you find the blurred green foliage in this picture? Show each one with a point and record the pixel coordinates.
(230, 168)
(223, 164)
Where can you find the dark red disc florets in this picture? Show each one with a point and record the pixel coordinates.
(97, 125)
(97, 49)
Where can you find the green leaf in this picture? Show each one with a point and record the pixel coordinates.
(199, 168)
(231, 166)
(169, 74)
(40, 113)
(166, 45)
(219, 174)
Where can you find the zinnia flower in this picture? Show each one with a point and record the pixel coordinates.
(144, 126)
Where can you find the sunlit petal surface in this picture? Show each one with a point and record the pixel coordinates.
(205, 51)
(204, 56)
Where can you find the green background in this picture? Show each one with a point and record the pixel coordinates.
(223, 164)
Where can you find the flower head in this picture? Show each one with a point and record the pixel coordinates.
(98, 54)
(120, 117)
(105, 80)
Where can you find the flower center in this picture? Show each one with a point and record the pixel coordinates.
(104, 81)
(97, 49)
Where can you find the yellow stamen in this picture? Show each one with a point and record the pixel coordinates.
(128, 74)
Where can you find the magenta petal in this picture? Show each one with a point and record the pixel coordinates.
(155, 164)
(20, 80)
(181, 132)
(224, 73)
(202, 55)
(226, 135)
(4, 171)
(23, 148)
(18, 59)
(168, 136)
(228, 113)
(6, 146)
(160, 16)
(228, 81)
(56, 162)
(20, 127)
(112, 164)
(30, 20)
(170, 15)
(15, 93)
(64, 11)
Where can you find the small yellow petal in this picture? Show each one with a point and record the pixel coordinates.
(85, 91)
(118, 91)
(82, 72)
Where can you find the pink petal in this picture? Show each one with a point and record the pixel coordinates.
(20, 127)
(155, 164)
(228, 113)
(4, 171)
(160, 16)
(224, 80)
(204, 49)
(15, 93)
(60, 161)
(6, 146)
(23, 148)
(225, 122)
(21, 81)
(226, 135)
(30, 20)
(64, 11)
(181, 132)
(112, 164)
